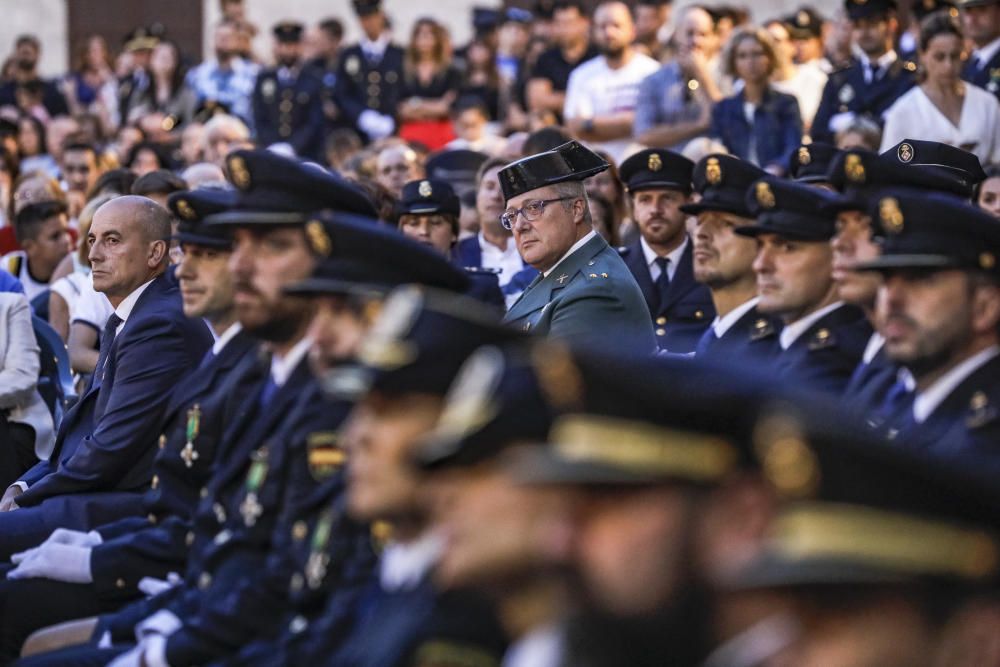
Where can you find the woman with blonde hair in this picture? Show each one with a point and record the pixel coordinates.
(429, 87)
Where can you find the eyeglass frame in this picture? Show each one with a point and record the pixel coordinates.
(520, 211)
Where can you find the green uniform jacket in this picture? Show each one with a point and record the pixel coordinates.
(589, 297)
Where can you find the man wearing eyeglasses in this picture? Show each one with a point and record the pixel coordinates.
(584, 292)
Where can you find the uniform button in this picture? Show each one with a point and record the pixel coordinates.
(698, 314)
(151, 518)
(298, 624)
(163, 441)
(300, 530)
(297, 582)
(189, 538)
(285, 106)
(374, 90)
(374, 77)
(661, 321)
(661, 332)
(119, 583)
(156, 482)
(203, 493)
(285, 131)
(204, 581)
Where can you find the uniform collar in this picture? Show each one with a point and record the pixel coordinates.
(791, 332)
(927, 401)
(378, 47)
(985, 54)
(576, 246)
(723, 324)
(282, 367)
(873, 347)
(883, 63)
(404, 566)
(674, 256)
(227, 335)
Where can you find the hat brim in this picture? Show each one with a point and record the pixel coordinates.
(660, 185)
(541, 468)
(321, 286)
(250, 218)
(755, 230)
(774, 572)
(910, 261)
(198, 239)
(720, 206)
(815, 178)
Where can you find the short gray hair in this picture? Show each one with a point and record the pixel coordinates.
(574, 190)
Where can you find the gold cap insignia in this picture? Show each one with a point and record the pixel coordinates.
(905, 152)
(558, 376)
(713, 171)
(987, 261)
(319, 240)
(185, 210)
(238, 172)
(804, 157)
(425, 190)
(765, 197)
(789, 465)
(802, 18)
(891, 216)
(654, 163)
(854, 169)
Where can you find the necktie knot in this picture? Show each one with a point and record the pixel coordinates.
(111, 326)
(662, 262)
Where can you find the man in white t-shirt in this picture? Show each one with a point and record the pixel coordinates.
(41, 229)
(601, 94)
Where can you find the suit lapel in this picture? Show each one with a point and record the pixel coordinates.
(635, 260)
(562, 275)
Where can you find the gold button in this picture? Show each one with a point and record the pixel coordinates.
(151, 518)
(204, 581)
(163, 440)
(661, 332)
(374, 77)
(156, 481)
(119, 583)
(698, 314)
(285, 106)
(300, 530)
(661, 320)
(189, 538)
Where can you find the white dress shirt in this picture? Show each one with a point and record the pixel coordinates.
(720, 325)
(507, 260)
(928, 400)
(576, 246)
(127, 305)
(673, 258)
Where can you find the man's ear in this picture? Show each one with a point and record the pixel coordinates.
(157, 253)
(580, 210)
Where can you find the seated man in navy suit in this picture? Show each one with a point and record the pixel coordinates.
(659, 183)
(102, 457)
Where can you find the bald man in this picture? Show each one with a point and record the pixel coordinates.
(106, 442)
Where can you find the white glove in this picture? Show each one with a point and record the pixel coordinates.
(840, 122)
(151, 651)
(151, 586)
(60, 562)
(74, 538)
(163, 622)
(375, 125)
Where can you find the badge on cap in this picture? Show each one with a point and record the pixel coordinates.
(319, 240)
(891, 216)
(765, 196)
(424, 189)
(238, 172)
(905, 152)
(654, 163)
(802, 18)
(854, 169)
(789, 465)
(804, 157)
(184, 210)
(987, 261)
(713, 171)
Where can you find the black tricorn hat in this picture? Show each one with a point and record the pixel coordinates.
(570, 162)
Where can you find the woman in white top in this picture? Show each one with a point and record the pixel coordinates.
(943, 107)
(27, 432)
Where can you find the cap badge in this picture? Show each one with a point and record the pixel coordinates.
(905, 152)
(802, 18)
(238, 172)
(713, 171)
(765, 196)
(558, 376)
(185, 210)
(425, 190)
(804, 157)
(854, 169)
(787, 461)
(319, 240)
(987, 261)
(892, 217)
(654, 163)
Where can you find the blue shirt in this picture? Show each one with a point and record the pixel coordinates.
(664, 98)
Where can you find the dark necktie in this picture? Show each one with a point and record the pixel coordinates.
(662, 281)
(267, 393)
(107, 337)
